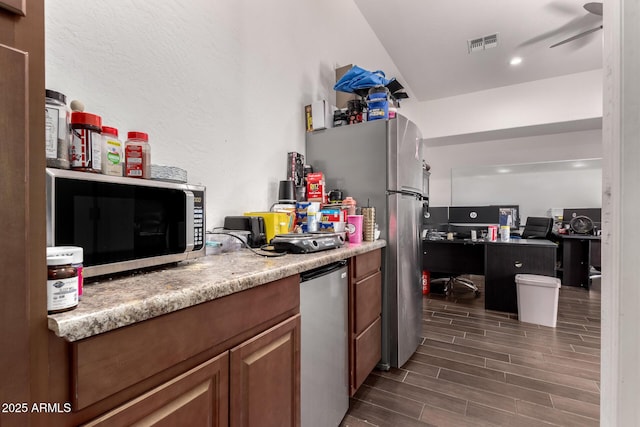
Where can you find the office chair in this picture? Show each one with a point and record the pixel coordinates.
(451, 282)
(537, 227)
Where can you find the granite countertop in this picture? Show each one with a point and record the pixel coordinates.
(111, 304)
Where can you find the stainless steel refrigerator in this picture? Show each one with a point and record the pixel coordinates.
(379, 163)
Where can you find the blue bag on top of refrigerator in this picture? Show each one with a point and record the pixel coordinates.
(359, 78)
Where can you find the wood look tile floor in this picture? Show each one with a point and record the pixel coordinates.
(485, 368)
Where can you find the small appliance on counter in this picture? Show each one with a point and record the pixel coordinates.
(275, 222)
(302, 243)
(253, 224)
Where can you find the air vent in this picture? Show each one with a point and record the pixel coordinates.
(490, 41)
(482, 43)
(475, 44)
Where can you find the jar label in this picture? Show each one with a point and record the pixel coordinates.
(51, 132)
(134, 160)
(62, 293)
(85, 149)
(113, 157)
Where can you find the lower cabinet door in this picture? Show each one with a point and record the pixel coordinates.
(199, 397)
(265, 378)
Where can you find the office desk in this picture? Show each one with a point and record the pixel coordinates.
(499, 262)
(579, 253)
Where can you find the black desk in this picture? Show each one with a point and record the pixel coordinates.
(499, 262)
(579, 253)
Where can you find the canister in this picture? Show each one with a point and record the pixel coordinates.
(57, 137)
(86, 142)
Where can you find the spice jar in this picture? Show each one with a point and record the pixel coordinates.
(112, 152)
(137, 153)
(86, 142)
(57, 135)
(62, 284)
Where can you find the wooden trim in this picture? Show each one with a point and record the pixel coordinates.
(18, 7)
(23, 316)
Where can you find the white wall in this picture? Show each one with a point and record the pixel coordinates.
(542, 148)
(561, 99)
(218, 85)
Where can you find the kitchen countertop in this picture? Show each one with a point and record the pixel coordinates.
(111, 304)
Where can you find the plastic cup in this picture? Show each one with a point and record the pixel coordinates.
(354, 228)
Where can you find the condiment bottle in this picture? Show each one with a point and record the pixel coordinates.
(57, 137)
(112, 152)
(86, 142)
(62, 284)
(137, 155)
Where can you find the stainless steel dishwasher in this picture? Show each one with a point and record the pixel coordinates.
(324, 385)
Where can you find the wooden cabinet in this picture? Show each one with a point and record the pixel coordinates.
(365, 307)
(187, 361)
(23, 332)
(265, 380)
(198, 397)
(503, 262)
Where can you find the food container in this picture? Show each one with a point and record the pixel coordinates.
(57, 136)
(86, 142)
(62, 284)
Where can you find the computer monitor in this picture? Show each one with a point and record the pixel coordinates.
(594, 214)
(509, 215)
(435, 217)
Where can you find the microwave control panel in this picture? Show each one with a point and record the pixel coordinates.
(198, 220)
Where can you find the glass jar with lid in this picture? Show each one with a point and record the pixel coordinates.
(57, 134)
(62, 284)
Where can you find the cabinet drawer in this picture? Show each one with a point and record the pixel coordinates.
(367, 352)
(368, 301)
(366, 264)
(197, 397)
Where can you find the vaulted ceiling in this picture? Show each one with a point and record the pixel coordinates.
(428, 41)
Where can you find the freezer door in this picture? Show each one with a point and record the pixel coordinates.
(404, 156)
(403, 302)
(324, 357)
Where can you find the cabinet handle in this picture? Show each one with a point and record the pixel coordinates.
(518, 264)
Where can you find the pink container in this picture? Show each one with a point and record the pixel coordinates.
(354, 228)
(492, 233)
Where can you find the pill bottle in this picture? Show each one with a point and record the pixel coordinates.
(86, 142)
(112, 152)
(137, 153)
(57, 136)
(62, 284)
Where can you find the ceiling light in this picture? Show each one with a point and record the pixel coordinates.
(579, 165)
(515, 60)
(503, 170)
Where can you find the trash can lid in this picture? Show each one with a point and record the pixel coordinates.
(537, 280)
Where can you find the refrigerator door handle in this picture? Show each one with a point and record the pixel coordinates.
(417, 196)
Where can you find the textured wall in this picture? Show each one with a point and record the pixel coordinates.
(219, 85)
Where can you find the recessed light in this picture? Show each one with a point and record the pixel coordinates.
(503, 170)
(516, 60)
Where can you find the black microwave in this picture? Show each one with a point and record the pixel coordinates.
(124, 223)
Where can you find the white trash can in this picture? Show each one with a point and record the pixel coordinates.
(538, 299)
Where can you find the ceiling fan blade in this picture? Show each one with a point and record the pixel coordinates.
(577, 36)
(594, 7)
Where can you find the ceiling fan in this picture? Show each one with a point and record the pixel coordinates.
(594, 8)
